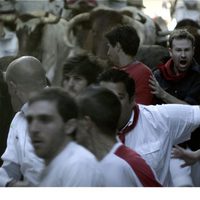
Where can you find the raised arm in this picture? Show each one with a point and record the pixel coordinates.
(162, 94)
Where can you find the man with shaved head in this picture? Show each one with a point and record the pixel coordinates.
(21, 167)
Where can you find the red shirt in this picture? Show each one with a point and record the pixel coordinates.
(141, 74)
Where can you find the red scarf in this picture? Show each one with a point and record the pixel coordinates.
(127, 129)
(167, 71)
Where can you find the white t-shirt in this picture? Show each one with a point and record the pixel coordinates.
(75, 166)
(157, 130)
(19, 157)
(117, 172)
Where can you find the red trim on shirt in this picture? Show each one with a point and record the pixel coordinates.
(139, 166)
(123, 132)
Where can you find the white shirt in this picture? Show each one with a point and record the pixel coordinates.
(117, 172)
(157, 130)
(19, 157)
(75, 166)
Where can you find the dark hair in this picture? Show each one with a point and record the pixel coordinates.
(115, 75)
(66, 105)
(102, 105)
(127, 37)
(187, 22)
(84, 65)
(181, 34)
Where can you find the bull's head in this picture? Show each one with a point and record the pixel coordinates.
(99, 21)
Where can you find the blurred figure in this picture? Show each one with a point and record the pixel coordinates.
(150, 130)
(123, 44)
(79, 72)
(21, 167)
(51, 118)
(120, 166)
(8, 42)
(187, 9)
(178, 82)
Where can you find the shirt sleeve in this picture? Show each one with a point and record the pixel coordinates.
(181, 120)
(10, 168)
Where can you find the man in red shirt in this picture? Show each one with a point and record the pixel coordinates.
(123, 43)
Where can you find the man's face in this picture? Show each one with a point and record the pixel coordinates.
(113, 55)
(182, 53)
(127, 104)
(74, 84)
(46, 128)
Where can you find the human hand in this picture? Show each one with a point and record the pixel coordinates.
(156, 89)
(190, 157)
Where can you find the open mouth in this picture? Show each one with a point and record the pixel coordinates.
(183, 62)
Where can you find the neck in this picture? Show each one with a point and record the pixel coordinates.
(100, 144)
(126, 59)
(54, 152)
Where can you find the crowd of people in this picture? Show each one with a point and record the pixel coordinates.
(123, 125)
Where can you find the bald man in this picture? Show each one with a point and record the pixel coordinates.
(21, 167)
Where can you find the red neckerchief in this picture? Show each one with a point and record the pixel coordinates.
(139, 166)
(167, 71)
(127, 129)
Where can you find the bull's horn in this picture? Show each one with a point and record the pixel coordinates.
(71, 23)
(8, 17)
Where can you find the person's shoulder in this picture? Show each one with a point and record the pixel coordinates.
(81, 151)
(196, 68)
(19, 116)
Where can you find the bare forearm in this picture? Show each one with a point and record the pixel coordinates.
(168, 98)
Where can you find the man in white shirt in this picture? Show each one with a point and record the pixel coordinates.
(150, 130)
(99, 112)
(21, 167)
(52, 116)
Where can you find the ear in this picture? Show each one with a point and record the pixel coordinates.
(132, 101)
(12, 84)
(118, 46)
(70, 126)
(170, 52)
(88, 122)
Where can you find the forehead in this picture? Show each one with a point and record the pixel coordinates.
(181, 43)
(117, 88)
(42, 107)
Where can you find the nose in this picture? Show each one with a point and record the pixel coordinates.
(71, 82)
(34, 128)
(183, 54)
